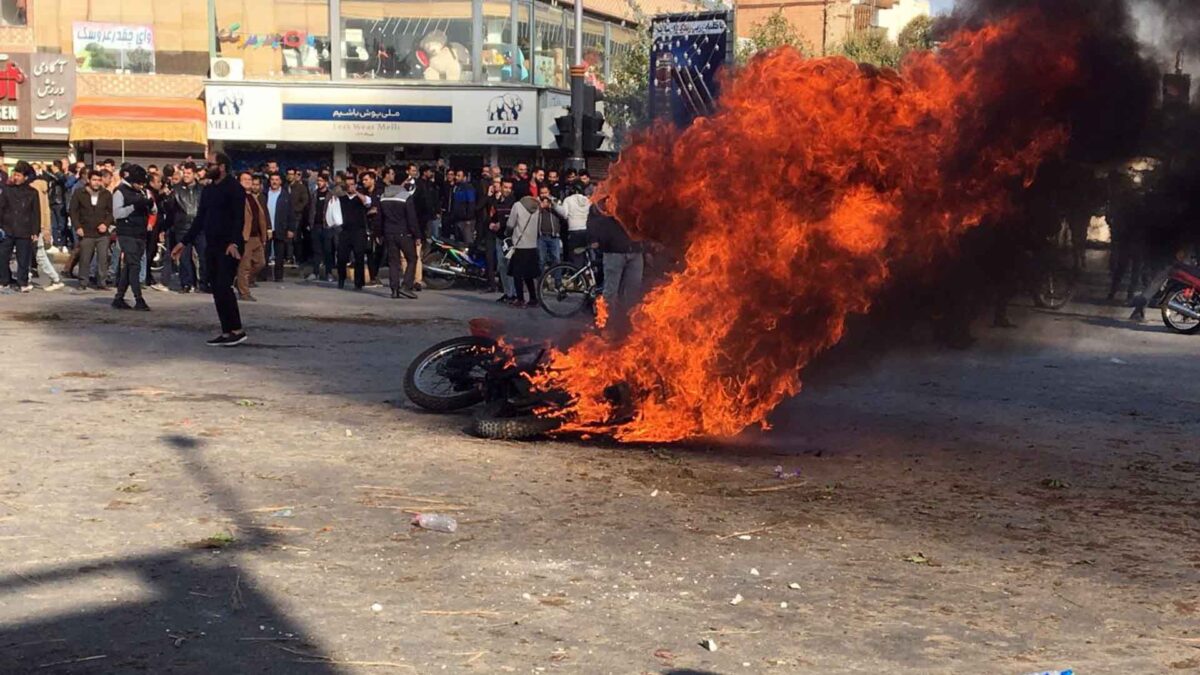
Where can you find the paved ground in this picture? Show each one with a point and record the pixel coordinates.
(1026, 505)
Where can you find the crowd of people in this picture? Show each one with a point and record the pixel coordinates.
(116, 223)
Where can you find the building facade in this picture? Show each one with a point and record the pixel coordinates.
(825, 24)
(310, 82)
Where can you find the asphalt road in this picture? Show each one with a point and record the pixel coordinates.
(1028, 504)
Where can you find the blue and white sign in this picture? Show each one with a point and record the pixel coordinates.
(686, 54)
(332, 114)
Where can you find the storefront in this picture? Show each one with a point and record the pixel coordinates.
(37, 92)
(337, 124)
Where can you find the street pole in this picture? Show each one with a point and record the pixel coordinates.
(576, 160)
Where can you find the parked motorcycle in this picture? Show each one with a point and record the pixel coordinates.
(1179, 299)
(479, 368)
(444, 264)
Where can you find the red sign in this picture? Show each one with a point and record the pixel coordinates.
(10, 77)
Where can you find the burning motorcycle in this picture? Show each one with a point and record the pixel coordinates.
(444, 263)
(1179, 299)
(479, 368)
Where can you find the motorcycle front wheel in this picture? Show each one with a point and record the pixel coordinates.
(1177, 322)
(438, 281)
(449, 375)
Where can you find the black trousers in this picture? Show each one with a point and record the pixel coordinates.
(489, 256)
(353, 243)
(379, 251)
(407, 246)
(130, 272)
(223, 270)
(24, 250)
(281, 250)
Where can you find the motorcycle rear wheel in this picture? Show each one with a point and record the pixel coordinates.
(1176, 321)
(432, 280)
(428, 384)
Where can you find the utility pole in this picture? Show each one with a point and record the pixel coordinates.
(576, 160)
(824, 27)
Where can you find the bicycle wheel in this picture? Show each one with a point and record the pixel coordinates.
(564, 290)
(159, 261)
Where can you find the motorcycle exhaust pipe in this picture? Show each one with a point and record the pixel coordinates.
(1184, 310)
(436, 269)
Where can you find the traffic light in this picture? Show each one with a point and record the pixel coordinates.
(593, 121)
(564, 135)
(593, 136)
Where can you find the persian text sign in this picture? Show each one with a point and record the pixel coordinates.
(51, 95)
(109, 47)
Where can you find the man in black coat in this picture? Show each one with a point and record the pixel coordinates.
(401, 229)
(220, 218)
(21, 221)
(354, 207)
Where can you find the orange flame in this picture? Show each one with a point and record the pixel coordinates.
(601, 312)
(792, 204)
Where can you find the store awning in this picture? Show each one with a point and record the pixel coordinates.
(173, 120)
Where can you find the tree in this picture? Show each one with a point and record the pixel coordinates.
(873, 47)
(626, 96)
(770, 33)
(917, 35)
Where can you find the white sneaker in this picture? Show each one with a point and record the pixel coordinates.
(160, 287)
(54, 286)
(26, 289)
(311, 277)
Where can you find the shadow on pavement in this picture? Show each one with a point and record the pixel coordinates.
(196, 610)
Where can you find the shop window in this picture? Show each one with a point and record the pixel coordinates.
(427, 40)
(549, 47)
(500, 62)
(284, 39)
(14, 12)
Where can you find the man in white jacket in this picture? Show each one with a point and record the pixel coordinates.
(575, 210)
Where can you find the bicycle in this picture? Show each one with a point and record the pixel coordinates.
(565, 288)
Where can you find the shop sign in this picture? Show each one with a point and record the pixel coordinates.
(111, 47)
(12, 79)
(52, 89)
(426, 115)
(36, 95)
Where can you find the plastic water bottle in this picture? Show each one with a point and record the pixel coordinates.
(435, 521)
(1055, 672)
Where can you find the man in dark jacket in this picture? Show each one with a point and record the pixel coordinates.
(354, 206)
(401, 229)
(132, 206)
(301, 203)
(92, 213)
(181, 207)
(623, 261)
(220, 218)
(323, 246)
(56, 195)
(278, 203)
(21, 222)
(462, 208)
